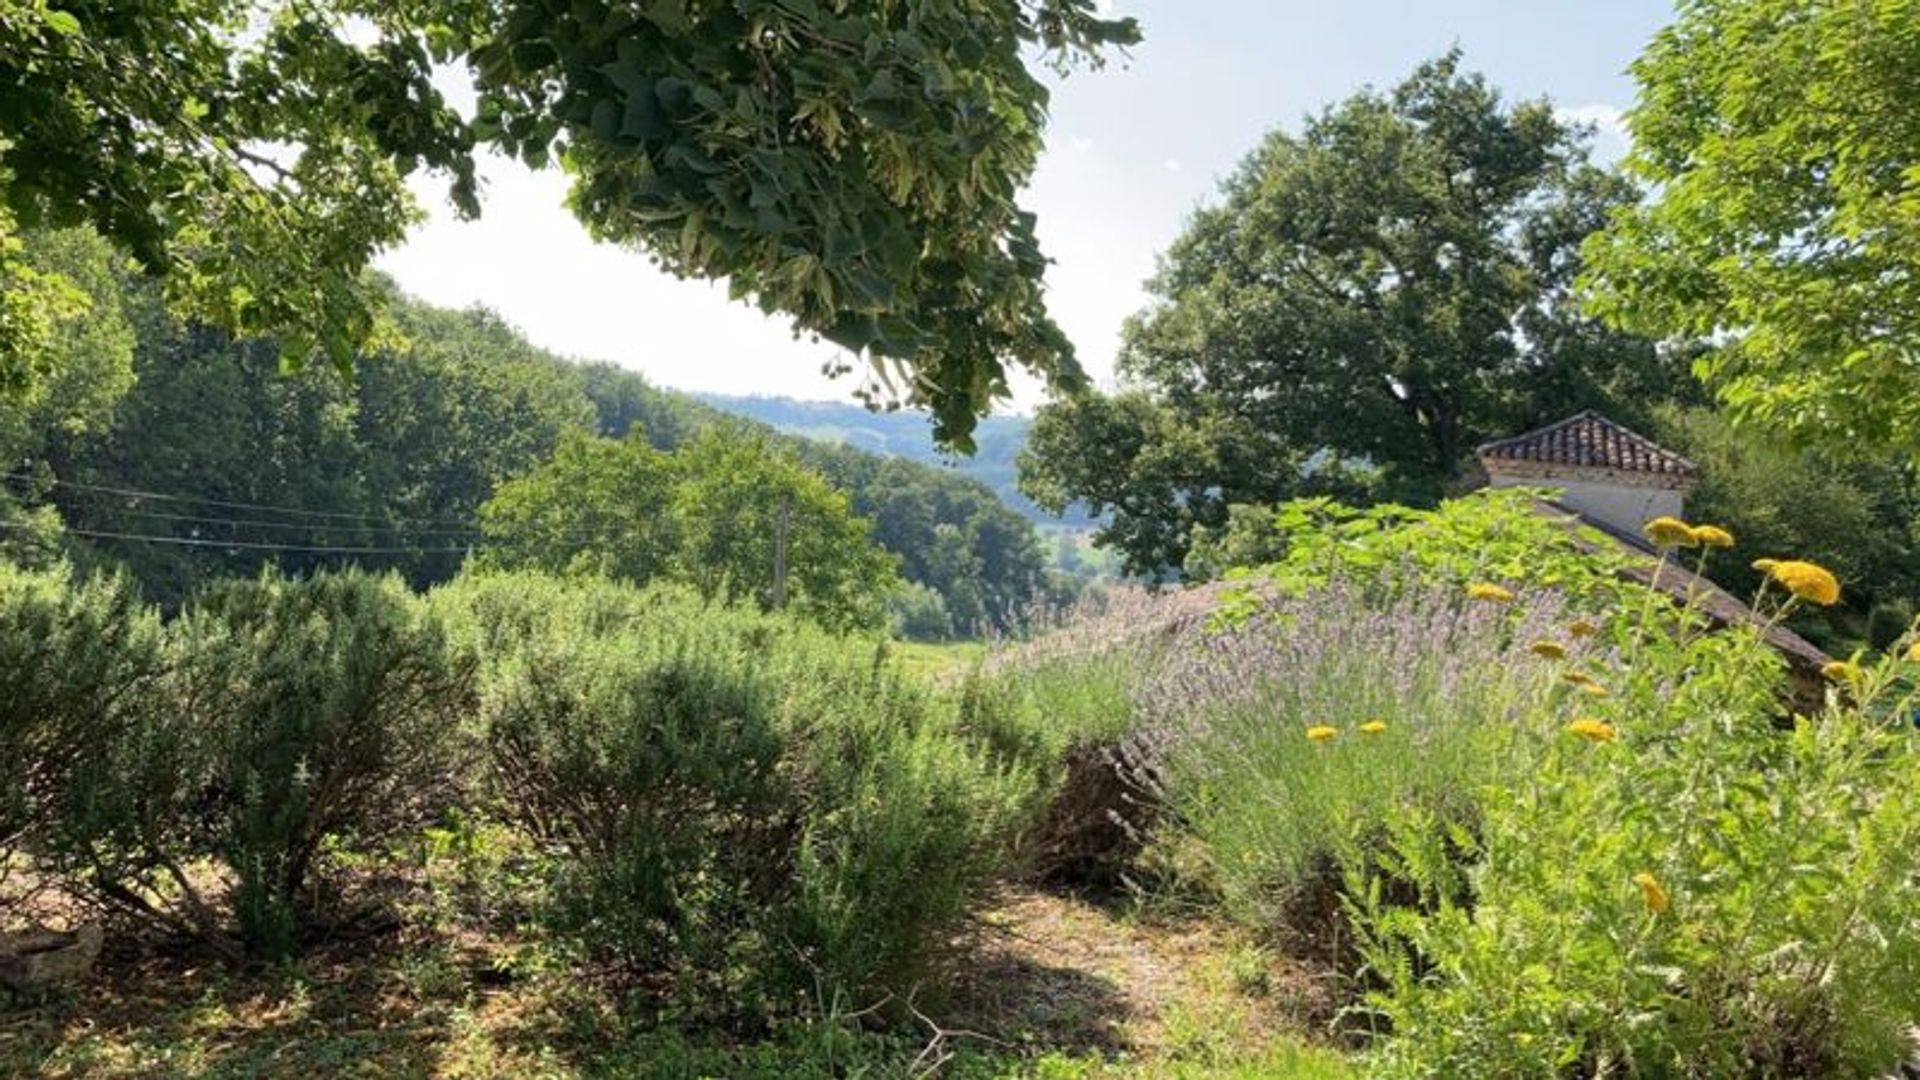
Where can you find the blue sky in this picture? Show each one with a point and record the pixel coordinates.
(1131, 151)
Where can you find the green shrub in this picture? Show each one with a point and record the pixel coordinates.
(78, 667)
(1681, 883)
(743, 810)
(1888, 622)
(295, 719)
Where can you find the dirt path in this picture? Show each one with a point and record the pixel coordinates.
(1052, 972)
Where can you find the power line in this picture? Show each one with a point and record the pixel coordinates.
(135, 493)
(263, 524)
(97, 534)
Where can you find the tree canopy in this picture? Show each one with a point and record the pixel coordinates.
(854, 169)
(183, 455)
(728, 513)
(1782, 138)
(1369, 299)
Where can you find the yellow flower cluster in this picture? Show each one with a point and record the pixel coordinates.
(1548, 650)
(1670, 532)
(1712, 536)
(1374, 727)
(1582, 628)
(1651, 892)
(1321, 733)
(1808, 581)
(1492, 594)
(1843, 671)
(1592, 730)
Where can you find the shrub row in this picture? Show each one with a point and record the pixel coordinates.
(731, 809)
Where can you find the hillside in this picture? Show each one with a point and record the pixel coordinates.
(197, 460)
(906, 434)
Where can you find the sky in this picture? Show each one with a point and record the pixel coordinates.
(1131, 150)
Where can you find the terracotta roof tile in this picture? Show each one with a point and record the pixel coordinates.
(1592, 441)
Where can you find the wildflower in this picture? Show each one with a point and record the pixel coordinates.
(1579, 678)
(1712, 536)
(1669, 532)
(1374, 727)
(1592, 730)
(1913, 652)
(1842, 671)
(1493, 594)
(1548, 650)
(1582, 628)
(1765, 566)
(1321, 733)
(1651, 892)
(1593, 689)
(1808, 581)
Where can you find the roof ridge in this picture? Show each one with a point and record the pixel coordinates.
(1590, 439)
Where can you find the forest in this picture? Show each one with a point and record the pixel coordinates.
(177, 433)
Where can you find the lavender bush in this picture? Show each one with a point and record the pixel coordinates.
(1281, 744)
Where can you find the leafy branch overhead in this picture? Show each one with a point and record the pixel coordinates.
(851, 165)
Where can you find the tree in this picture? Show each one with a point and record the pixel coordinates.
(714, 514)
(256, 165)
(600, 506)
(1370, 299)
(1781, 137)
(1853, 515)
(856, 171)
(756, 525)
(83, 368)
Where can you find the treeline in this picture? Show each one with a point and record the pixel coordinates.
(183, 456)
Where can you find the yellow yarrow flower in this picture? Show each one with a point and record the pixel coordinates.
(1592, 730)
(1321, 733)
(1651, 892)
(1582, 628)
(1765, 566)
(1842, 671)
(1913, 652)
(1712, 536)
(1374, 727)
(1670, 532)
(1578, 678)
(1493, 594)
(1548, 650)
(1593, 689)
(1808, 581)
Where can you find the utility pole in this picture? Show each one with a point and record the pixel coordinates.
(781, 527)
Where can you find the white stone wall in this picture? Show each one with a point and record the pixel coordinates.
(1623, 507)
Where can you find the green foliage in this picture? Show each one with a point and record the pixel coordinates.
(77, 671)
(747, 812)
(390, 470)
(279, 723)
(850, 169)
(149, 121)
(1857, 516)
(728, 513)
(1600, 929)
(1780, 137)
(757, 525)
(1369, 300)
(855, 170)
(1498, 536)
(917, 613)
(326, 707)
